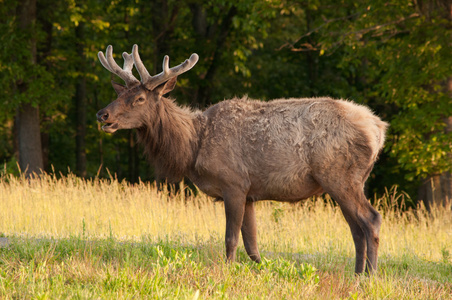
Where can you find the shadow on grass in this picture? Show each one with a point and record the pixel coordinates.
(407, 265)
(147, 252)
(107, 250)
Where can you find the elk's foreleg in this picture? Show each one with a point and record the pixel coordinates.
(234, 205)
(249, 232)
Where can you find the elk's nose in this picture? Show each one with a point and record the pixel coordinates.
(102, 115)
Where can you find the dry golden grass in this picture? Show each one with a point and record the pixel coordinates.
(69, 206)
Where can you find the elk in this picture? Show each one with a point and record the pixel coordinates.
(241, 150)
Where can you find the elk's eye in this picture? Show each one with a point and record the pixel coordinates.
(139, 101)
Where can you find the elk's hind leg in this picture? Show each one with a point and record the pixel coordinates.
(358, 209)
(359, 239)
(363, 219)
(364, 222)
(372, 220)
(249, 232)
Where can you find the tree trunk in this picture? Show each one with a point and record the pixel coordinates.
(204, 91)
(163, 25)
(80, 105)
(436, 190)
(44, 17)
(28, 126)
(30, 151)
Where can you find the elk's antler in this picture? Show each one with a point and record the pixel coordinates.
(125, 73)
(151, 82)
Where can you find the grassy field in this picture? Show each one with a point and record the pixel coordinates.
(71, 238)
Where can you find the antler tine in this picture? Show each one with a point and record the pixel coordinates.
(126, 73)
(172, 72)
(144, 74)
(103, 61)
(165, 66)
(128, 61)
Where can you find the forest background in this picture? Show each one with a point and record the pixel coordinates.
(393, 56)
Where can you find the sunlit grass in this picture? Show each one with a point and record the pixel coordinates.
(71, 206)
(70, 237)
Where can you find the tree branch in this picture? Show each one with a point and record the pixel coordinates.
(292, 45)
(358, 33)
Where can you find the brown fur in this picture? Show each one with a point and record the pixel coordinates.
(243, 150)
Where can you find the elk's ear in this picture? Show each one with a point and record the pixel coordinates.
(119, 88)
(166, 87)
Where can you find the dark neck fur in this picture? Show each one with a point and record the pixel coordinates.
(170, 139)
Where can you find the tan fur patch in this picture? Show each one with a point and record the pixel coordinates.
(369, 124)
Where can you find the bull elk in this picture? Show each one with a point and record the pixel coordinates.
(242, 150)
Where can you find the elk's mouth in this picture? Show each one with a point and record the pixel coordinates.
(110, 127)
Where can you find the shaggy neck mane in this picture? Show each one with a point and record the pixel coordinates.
(170, 139)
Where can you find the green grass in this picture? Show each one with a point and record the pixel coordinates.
(71, 238)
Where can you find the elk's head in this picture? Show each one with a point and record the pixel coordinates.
(137, 98)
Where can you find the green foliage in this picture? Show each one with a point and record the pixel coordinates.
(277, 214)
(403, 52)
(288, 270)
(393, 56)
